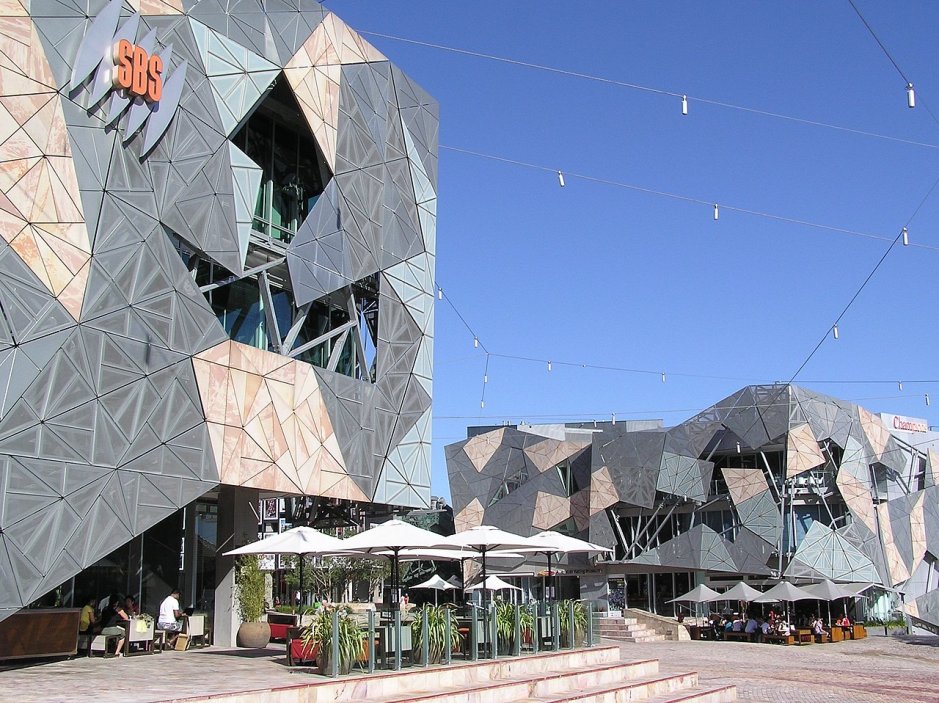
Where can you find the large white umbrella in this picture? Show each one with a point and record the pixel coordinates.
(741, 591)
(828, 591)
(437, 584)
(299, 541)
(699, 594)
(493, 583)
(556, 543)
(784, 592)
(389, 539)
(486, 538)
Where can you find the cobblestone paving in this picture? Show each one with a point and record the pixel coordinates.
(873, 670)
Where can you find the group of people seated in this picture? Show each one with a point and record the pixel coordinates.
(758, 627)
(112, 614)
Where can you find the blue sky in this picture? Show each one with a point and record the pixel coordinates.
(608, 276)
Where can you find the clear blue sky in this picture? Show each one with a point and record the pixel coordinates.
(602, 275)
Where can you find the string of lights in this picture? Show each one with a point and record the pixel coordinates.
(684, 98)
(715, 208)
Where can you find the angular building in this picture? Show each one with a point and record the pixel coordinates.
(773, 481)
(217, 226)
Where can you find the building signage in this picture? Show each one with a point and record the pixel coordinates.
(905, 424)
(111, 61)
(137, 72)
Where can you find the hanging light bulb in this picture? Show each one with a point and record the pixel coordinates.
(900, 385)
(485, 378)
(738, 447)
(663, 377)
(910, 96)
(926, 398)
(906, 236)
(549, 366)
(439, 293)
(475, 342)
(717, 213)
(482, 403)
(834, 330)
(561, 179)
(614, 418)
(684, 104)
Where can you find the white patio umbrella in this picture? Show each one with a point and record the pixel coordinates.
(556, 543)
(437, 584)
(486, 539)
(741, 591)
(390, 539)
(298, 541)
(828, 591)
(493, 583)
(784, 592)
(698, 594)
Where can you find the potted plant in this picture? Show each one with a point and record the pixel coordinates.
(580, 622)
(436, 633)
(250, 587)
(505, 625)
(318, 636)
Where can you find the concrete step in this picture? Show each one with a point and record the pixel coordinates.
(699, 694)
(511, 690)
(658, 688)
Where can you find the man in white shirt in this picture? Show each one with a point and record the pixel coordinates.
(170, 618)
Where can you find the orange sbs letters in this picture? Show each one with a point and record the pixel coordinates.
(123, 73)
(139, 84)
(154, 78)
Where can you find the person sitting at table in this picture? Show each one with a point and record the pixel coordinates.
(114, 621)
(782, 627)
(170, 618)
(766, 628)
(752, 627)
(87, 618)
(131, 607)
(818, 627)
(738, 625)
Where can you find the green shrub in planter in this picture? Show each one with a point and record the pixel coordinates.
(580, 622)
(320, 633)
(436, 632)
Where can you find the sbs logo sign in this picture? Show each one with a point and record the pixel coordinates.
(136, 72)
(111, 61)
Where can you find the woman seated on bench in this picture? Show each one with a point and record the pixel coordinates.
(114, 621)
(818, 626)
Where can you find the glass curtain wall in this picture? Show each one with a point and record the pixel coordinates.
(294, 171)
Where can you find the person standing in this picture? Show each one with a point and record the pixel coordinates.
(170, 618)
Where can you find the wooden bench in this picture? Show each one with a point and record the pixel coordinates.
(804, 636)
(740, 636)
(780, 639)
(823, 638)
(858, 632)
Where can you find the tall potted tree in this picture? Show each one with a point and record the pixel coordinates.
(249, 585)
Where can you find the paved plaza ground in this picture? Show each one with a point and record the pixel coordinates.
(874, 670)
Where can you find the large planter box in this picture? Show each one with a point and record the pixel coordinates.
(40, 633)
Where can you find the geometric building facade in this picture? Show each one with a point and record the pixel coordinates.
(775, 480)
(217, 226)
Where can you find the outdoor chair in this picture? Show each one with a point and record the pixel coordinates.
(296, 653)
(103, 645)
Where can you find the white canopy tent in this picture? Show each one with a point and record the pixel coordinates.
(493, 583)
(437, 584)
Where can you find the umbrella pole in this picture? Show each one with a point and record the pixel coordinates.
(300, 585)
(550, 579)
(485, 609)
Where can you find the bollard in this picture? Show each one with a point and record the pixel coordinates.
(425, 637)
(555, 627)
(570, 624)
(371, 641)
(590, 641)
(448, 629)
(535, 628)
(398, 639)
(335, 643)
(474, 641)
(493, 632)
(517, 649)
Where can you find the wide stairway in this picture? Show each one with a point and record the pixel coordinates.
(594, 675)
(627, 630)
